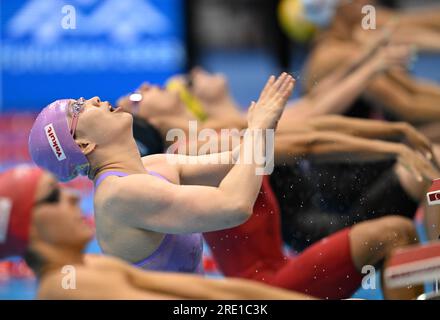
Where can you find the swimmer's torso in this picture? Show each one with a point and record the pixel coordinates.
(147, 249)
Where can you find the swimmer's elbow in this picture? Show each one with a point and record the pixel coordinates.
(242, 212)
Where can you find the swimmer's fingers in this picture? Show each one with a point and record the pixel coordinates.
(285, 91)
(424, 147)
(418, 140)
(267, 111)
(280, 97)
(273, 88)
(416, 173)
(265, 91)
(406, 159)
(420, 166)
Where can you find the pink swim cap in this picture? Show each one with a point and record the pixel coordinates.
(52, 146)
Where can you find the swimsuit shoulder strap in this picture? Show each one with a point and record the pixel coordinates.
(158, 175)
(123, 174)
(109, 174)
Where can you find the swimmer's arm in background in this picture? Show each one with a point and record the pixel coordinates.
(341, 95)
(289, 147)
(419, 86)
(327, 63)
(391, 94)
(412, 107)
(366, 128)
(328, 145)
(356, 59)
(428, 17)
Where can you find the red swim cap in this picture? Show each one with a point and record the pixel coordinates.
(17, 197)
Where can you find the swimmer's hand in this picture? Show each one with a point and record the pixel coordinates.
(417, 164)
(392, 57)
(416, 139)
(265, 113)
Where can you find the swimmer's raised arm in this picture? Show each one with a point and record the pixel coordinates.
(356, 61)
(152, 204)
(341, 95)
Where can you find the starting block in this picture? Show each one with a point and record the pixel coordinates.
(433, 194)
(414, 265)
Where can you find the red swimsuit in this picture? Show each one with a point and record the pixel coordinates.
(254, 251)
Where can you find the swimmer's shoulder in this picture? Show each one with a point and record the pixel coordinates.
(81, 282)
(161, 165)
(101, 261)
(155, 160)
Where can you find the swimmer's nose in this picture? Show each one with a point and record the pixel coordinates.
(95, 101)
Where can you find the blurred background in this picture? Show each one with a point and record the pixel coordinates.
(117, 45)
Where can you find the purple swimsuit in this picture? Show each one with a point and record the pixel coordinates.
(177, 252)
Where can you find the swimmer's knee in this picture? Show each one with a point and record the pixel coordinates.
(389, 232)
(398, 231)
(372, 241)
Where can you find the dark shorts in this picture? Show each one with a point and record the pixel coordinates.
(317, 200)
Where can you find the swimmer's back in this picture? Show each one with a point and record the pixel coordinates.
(147, 249)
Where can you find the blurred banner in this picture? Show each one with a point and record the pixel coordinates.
(53, 49)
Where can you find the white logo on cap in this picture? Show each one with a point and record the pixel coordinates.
(54, 142)
(5, 213)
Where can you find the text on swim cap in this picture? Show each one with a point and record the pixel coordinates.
(5, 213)
(54, 142)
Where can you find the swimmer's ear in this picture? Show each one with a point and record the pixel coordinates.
(86, 147)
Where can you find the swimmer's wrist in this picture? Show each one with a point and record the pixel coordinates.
(254, 140)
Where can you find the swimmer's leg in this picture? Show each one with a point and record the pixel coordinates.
(373, 241)
(325, 269)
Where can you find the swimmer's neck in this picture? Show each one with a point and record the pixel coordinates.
(56, 259)
(123, 157)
